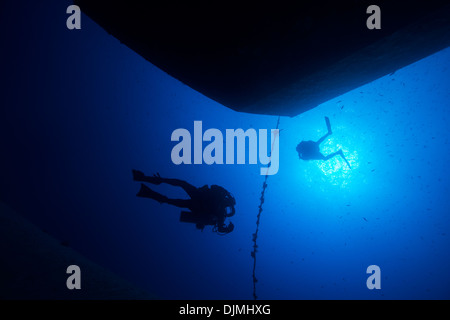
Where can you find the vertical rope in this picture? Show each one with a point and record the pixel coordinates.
(258, 217)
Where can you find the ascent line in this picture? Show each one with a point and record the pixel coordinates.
(258, 217)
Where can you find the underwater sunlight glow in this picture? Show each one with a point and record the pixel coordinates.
(336, 170)
(322, 222)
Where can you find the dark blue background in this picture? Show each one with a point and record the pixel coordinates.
(79, 110)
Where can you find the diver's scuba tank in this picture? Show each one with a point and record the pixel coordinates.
(226, 200)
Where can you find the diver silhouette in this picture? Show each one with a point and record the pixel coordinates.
(310, 150)
(207, 205)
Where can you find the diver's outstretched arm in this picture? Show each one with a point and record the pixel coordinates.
(340, 153)
(157, 179)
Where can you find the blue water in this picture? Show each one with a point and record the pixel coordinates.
(80, 110)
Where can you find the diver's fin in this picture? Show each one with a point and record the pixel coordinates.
(345, 159)
(138, 175)
(327, 121)
(146, 192)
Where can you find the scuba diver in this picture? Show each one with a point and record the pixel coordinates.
(309, 150)
(207, 205)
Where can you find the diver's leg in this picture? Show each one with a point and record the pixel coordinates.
(180, 203)
(331, 155)
(323, 138)
(140, 176)
(327, 121)
(337, 153)
(190, 189)
(156, 179)
(345, 159)
(146, 192)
